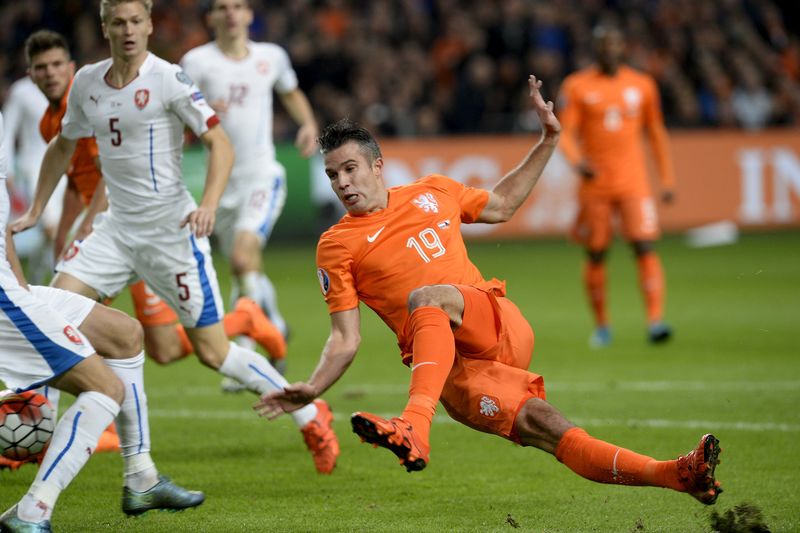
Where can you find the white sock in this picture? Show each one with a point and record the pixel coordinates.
(74, 439)
(53, 395)
(133, 424)
(260, 377)
(257, 286)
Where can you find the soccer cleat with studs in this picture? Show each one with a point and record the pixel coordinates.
(321, 440)
(11, 523)
(394, 434)
(696, 470)
(165, 496)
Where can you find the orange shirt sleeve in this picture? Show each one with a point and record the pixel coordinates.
(657, 133)
(471, 200)
(335, 273)
(570, 118)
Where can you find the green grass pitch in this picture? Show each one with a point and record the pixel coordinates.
(733, 369)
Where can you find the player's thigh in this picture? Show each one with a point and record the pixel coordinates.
(113, 333)
(263, 202)
(38, 343)
(493, 328)
(184, 277)
(487, 395)
(99, 262)
(639, 219)
(592, 226)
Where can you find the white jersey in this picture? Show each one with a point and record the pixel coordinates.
(245, 86)
(24, 146)
(139, 131)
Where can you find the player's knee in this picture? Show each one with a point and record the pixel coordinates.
(130, 341)
(427, 296)
(596, 256)
(641, 248)
(541, 425)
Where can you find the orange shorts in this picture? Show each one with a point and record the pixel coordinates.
(150, 309)
(490, 381)
(593, 225)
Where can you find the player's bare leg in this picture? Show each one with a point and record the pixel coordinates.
(254, 371)
(541, 425)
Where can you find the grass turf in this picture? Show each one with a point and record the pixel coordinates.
(733, 369)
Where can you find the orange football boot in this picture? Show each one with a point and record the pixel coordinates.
(10, 463)
(696, 470)
(321, 440)
(109, 440)
(262, 330)
(394, 434)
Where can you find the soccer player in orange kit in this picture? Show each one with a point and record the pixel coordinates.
(603, 111)
(400, 252)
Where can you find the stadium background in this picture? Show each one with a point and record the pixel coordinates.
(442, 81)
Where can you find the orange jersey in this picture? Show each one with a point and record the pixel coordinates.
(415, 241)
(82, 173)
(603, 120)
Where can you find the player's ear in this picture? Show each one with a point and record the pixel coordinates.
(71, 68)
(105, 30)
(377, 166)
(149, 26)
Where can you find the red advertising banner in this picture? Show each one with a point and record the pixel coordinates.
(751, 179)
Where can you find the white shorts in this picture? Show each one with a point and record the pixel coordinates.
(74, 307)
(37, 342)
(175, 264)
(252, 202)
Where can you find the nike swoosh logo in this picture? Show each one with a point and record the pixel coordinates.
(371, 238)
(423, 364)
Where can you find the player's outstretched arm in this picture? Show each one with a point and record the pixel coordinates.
(54, 165)
(338, 353)
(299, 108)
(509, 193)
(220, 163)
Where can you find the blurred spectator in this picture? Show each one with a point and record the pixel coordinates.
(431, 67)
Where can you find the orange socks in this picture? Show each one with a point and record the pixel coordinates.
(594, 279)
(651, 282)
(434, 353)
(600, 461)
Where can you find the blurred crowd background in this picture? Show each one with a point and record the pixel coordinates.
(432, 67)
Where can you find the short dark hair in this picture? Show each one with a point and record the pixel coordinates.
(344, 131)
(42, 41)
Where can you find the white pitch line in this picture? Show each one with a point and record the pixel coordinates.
(740, 425)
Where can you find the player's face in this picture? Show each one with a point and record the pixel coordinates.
(610, 48)
(230, 18)
(52, 71)
(357, 182)
(127, 28)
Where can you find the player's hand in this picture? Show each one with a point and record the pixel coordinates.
(200, 221)
(668, 196)
(28, 220)
(273, 404)
(220, 106)
(306, 140)
(551, 127)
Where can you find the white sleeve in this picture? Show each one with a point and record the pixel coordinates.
(3, 163)
(11, 113)
(75, 125)
(184, 99)
(287, 78)
(191, 66)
